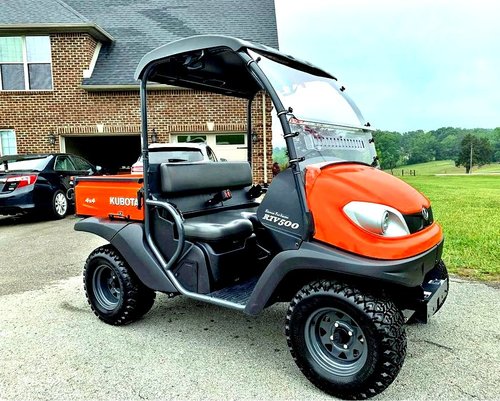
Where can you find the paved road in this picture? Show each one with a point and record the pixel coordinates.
(36, 253)
(52, 347)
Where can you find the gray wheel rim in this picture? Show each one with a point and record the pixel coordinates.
(336, 342)
(60, 204)
(107, 289)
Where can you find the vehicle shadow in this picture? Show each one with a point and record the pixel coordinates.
(187, 313)
(20, 219)
(227, 330)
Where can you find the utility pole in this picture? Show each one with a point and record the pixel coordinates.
(470, 165)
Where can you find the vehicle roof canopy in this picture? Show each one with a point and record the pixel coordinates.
(212, 63)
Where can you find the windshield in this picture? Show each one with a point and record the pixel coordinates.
(175, 155)
(317, 143)
(329, 126)
(312, 98)
(16, 163)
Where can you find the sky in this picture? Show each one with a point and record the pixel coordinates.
(407, 64)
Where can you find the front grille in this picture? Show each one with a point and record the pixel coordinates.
(416, 221)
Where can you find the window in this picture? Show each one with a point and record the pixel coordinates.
(191, 138)
(26, 162)
(211, 154)
(25, 63)
(230, 139)
(63, 163)
(8, 145)
(82, 164)
(157, 156)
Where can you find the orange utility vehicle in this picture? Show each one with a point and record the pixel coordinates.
(355, 251)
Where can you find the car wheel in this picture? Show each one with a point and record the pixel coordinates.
(348, 343)
(113, 291)
(59, 205)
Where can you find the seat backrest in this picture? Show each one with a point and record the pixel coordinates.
(191, 186)
(182, 178)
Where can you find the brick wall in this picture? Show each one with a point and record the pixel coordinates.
(70, 110)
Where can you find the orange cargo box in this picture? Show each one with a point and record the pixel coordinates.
(111, 196)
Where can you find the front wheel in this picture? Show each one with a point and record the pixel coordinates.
(348, 343)
(113, 291)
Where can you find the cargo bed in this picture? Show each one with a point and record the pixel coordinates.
(111, 196)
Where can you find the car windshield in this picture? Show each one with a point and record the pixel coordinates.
(26, 163)
(157, 156)
(328, 124)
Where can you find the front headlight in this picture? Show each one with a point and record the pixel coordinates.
(378, 219)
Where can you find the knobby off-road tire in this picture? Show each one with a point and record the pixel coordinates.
(113, 291)
(349, 343)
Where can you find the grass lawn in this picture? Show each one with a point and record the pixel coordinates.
(468, 209)
(444, 167)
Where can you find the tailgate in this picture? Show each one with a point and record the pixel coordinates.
(114, 196)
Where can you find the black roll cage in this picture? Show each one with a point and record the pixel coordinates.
(151, 66)
(222, 64)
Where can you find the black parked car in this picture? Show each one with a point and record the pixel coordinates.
(39, 182)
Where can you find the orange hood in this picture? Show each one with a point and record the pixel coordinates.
(356, 182)
(330, 187)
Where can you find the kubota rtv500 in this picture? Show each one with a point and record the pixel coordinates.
(353, 250)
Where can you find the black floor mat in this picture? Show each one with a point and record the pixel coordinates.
(238, 293)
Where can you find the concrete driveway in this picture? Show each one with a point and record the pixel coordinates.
(52, 347)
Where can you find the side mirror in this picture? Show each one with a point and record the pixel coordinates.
(98, 169)
(223, 160)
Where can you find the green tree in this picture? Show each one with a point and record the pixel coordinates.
(388, 145)
(449, 139)
(448, 148)
(496, 145)
(420, 147)
(477, 149)
(280, 156)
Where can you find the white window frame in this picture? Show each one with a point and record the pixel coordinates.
(15, 139)
(26, 71)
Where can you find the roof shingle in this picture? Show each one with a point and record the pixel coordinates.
(141, 26)
(39, 12)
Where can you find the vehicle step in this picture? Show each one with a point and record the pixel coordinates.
(238, 293)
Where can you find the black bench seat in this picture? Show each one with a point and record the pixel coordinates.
(219, 226)
(191, 186)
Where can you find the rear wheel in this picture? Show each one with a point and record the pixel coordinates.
(59, 205)
(348, 343)
(113, 291)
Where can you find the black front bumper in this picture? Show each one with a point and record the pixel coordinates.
(409, 272)
(434, 295)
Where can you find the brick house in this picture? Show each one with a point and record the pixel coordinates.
(66, 78)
